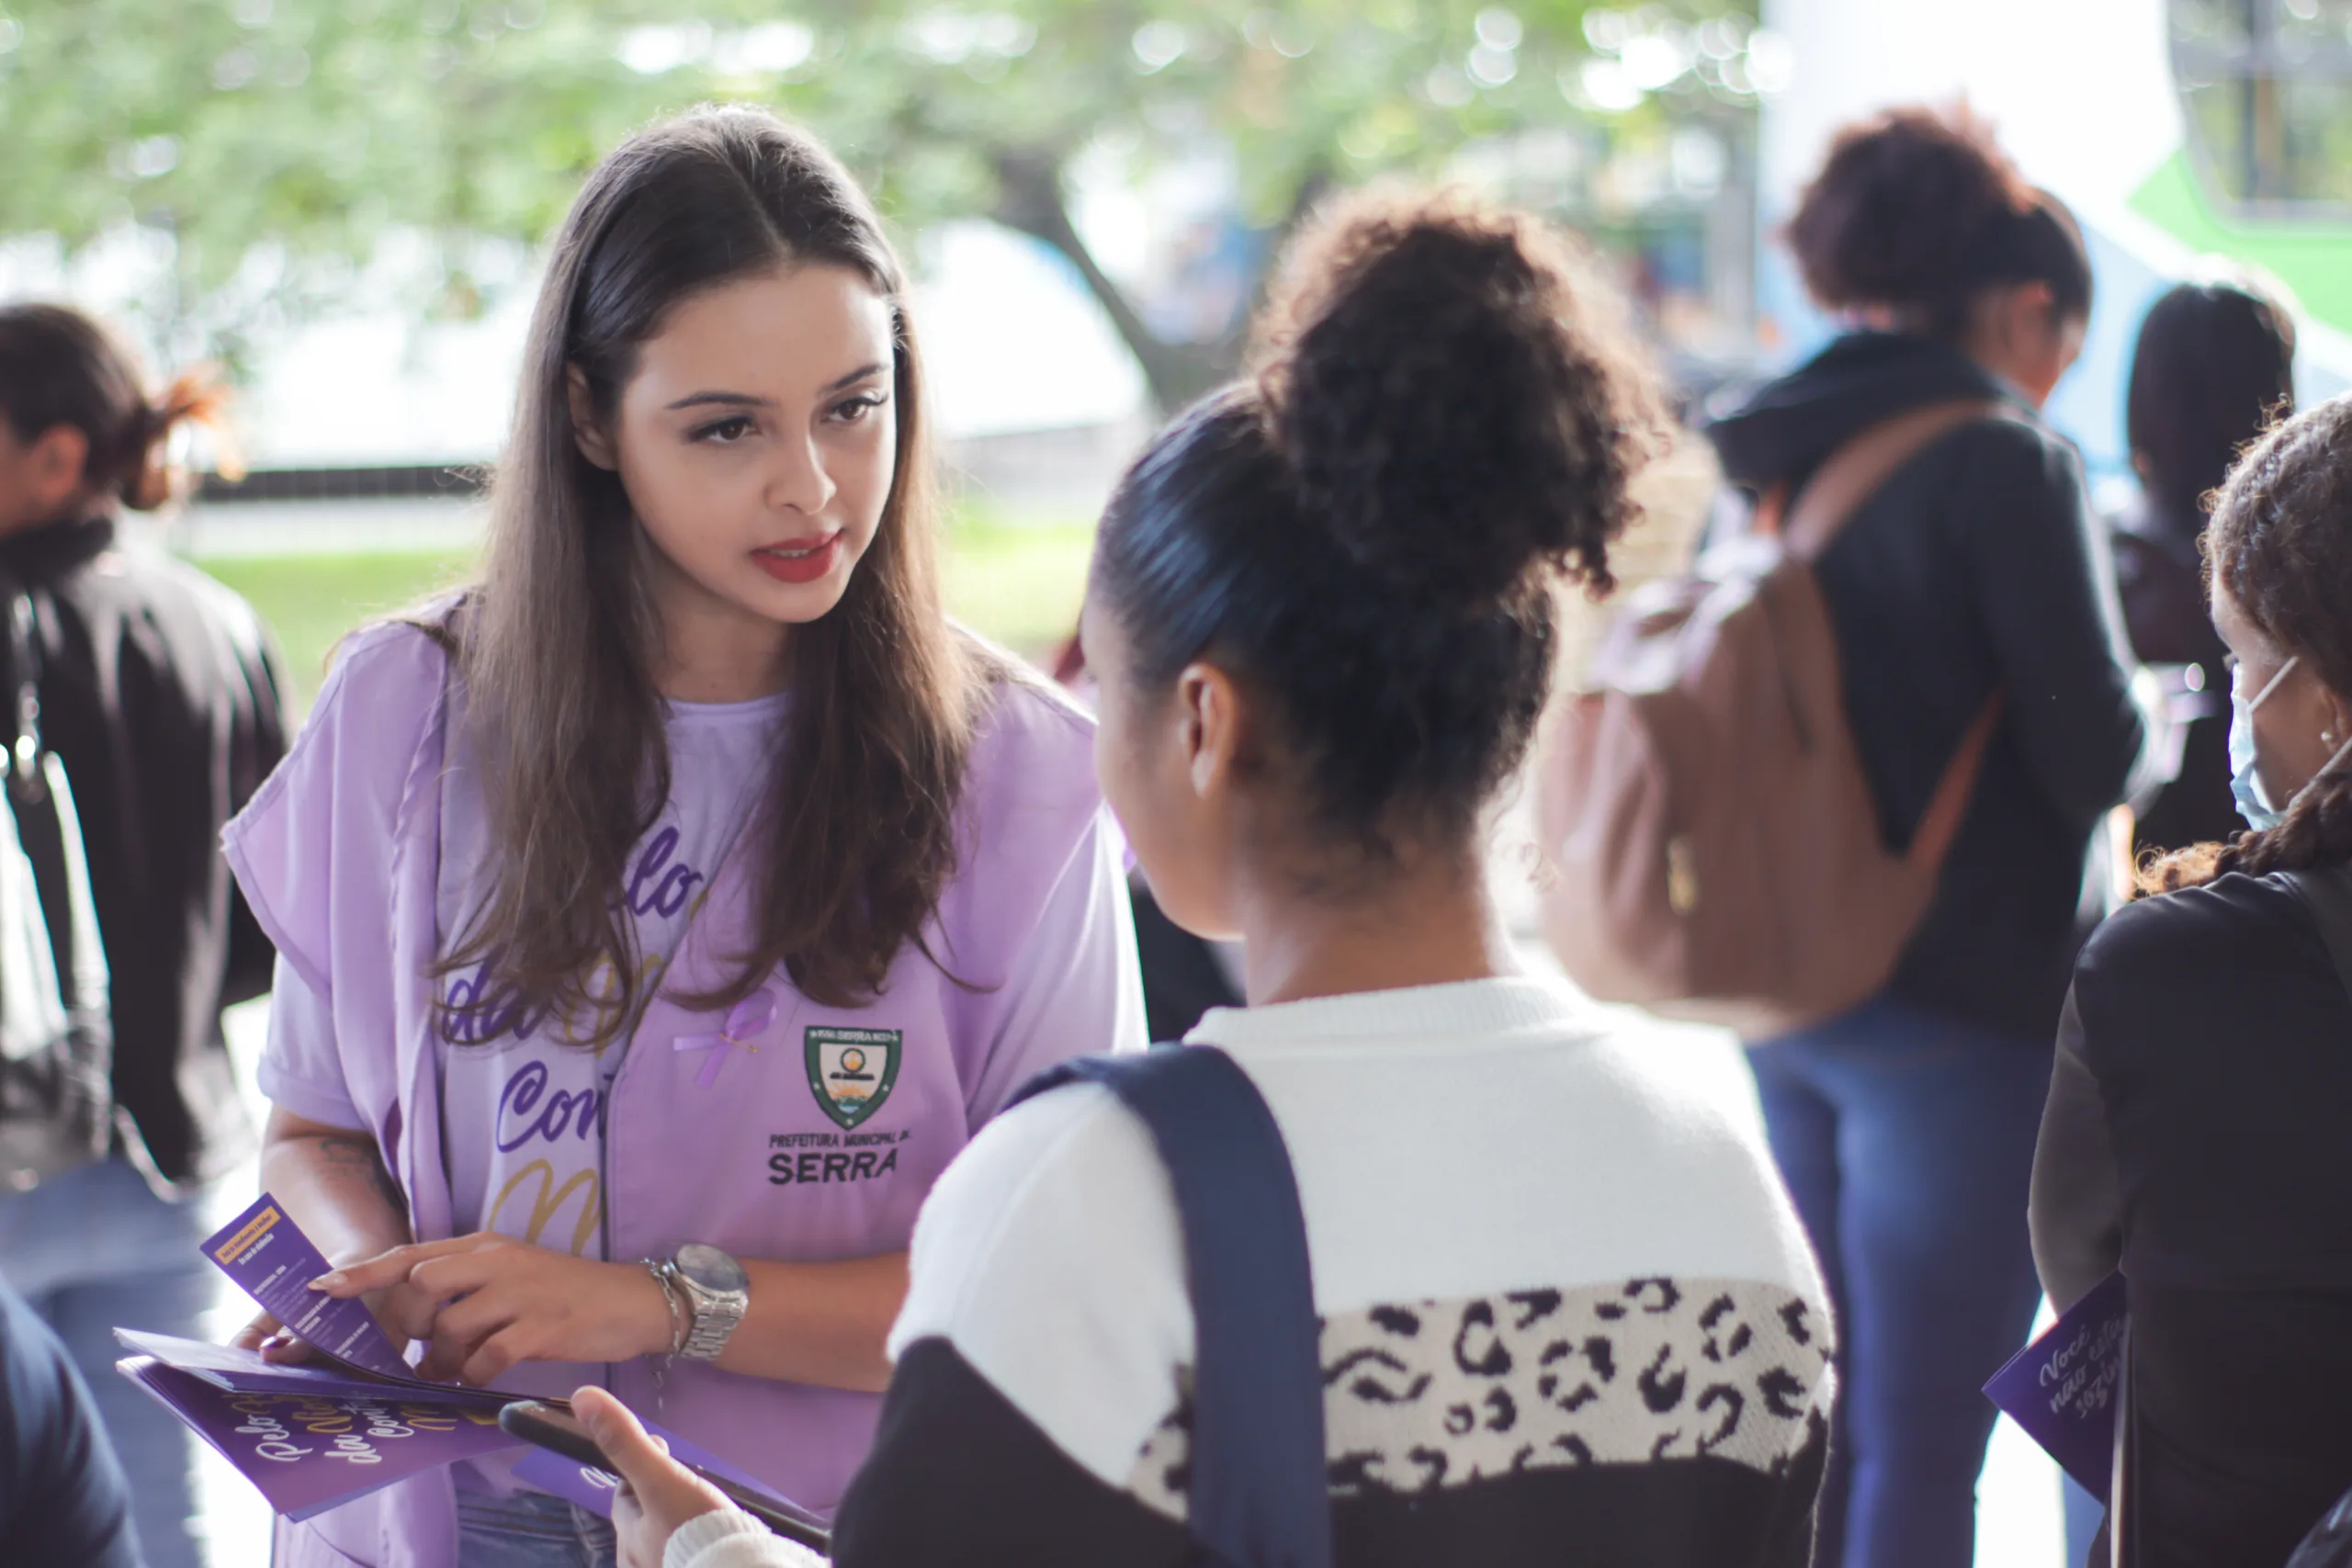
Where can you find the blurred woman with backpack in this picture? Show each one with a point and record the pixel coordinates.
(1971, 577)
(2195, 1130)
(2214, 364)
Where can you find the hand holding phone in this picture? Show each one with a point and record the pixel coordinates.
(665, 1485)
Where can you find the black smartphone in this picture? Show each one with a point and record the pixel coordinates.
(555, 1428)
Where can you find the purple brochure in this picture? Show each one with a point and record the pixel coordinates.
(593, 1489)
(309, 1453)
(247, 1372)
(272, 1261)
(2060, 1389)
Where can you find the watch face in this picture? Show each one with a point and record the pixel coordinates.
(711, 1269)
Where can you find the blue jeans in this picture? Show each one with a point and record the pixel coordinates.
(530, 1529)
(1907, 1140)
(95, 1249)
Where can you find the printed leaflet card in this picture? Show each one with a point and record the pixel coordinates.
(2060, 1389)
(247, 1372)
(272, 1261)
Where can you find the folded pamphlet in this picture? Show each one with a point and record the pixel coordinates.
(2060, 1389)
(240, 1371)
(308, 1452)
(313, 1435)
(272, 1261)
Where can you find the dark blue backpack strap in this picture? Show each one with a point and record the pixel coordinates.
(1257, 1493)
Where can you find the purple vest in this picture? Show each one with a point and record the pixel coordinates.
(818, 1133)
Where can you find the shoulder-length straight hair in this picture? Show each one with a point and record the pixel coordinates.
(556, 644)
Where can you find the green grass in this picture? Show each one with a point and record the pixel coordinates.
(313, 601)
(1020, 582)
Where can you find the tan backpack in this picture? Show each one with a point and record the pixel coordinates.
(1713, 845)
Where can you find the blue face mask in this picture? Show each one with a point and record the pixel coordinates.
(2245, 782)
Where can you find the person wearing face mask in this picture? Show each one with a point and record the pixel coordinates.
(1974, 580)
(2194, 1134)
(2247, 788)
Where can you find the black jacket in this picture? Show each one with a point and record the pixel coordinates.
(162, 697)
(2161, 577)
(1976, 568)
(2195, 1138)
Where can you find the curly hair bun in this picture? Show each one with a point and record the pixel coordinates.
(1455, 398)
(1903, 210)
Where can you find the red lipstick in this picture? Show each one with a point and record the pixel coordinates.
(799, 560)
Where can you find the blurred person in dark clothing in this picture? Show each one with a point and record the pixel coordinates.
(162, 697)
(1905, 1127)
(62, 1500)
(2214, 365)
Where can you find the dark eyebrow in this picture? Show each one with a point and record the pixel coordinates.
(746, 400)
(724, 399)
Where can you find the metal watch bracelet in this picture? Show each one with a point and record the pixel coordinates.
(718, 1292)
(682, 1317)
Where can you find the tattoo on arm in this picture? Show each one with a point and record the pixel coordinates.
(359, 1154)
(356, 1152)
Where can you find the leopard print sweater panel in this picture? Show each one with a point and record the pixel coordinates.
(1434, 1394)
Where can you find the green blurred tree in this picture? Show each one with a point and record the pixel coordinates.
(280, 143)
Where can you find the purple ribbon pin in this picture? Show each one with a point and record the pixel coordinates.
(747, 1017)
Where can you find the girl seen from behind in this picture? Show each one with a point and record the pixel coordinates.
(1972, 581)
(1562, 1297)
(2194, 1135)
(2214, 365)
(660, 918)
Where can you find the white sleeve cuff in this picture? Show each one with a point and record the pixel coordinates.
(728, 1538)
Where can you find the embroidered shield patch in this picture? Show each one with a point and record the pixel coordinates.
(851, 1070)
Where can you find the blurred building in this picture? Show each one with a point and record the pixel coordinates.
(2191, 137)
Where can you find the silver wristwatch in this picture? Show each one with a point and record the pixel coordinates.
(717, 1292)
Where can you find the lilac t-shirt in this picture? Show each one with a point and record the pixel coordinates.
(522, 1107)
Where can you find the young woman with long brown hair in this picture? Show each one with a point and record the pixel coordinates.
(660, 919)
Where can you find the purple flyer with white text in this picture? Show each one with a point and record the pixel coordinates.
(272, 1261)
(2060, 1389)
(315, 1434)
(308, 1452)
(248, 1371)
